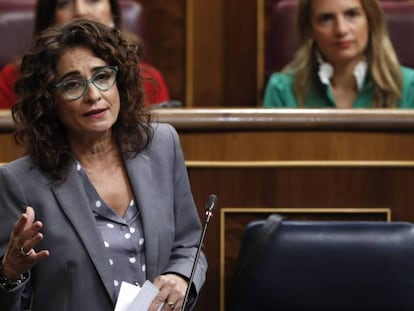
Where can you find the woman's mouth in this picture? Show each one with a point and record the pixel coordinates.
(344, 44)
(95, 113)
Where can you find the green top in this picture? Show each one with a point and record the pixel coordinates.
(279, 93)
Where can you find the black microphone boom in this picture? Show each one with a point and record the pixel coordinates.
(210, 205)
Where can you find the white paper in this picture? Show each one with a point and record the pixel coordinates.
(135, 298)
(127, 293)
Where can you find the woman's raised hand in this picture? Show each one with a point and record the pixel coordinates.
(21, 254)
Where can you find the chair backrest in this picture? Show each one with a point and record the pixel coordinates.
(17, 25)
(400, 21)
(331, 265)
(282, 41)
(16, 28)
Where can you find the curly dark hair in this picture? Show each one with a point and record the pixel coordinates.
(37, 125)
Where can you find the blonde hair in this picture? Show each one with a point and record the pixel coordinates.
(383, 64)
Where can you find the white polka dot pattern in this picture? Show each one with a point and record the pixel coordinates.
(122, 236)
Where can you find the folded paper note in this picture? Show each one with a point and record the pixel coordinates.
(136, 298)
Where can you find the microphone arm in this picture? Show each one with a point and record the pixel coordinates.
(211, 203)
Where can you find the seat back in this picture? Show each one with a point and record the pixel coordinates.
(16, 28)
(400, 21)
(17, 25)
(330, 265)
(282, 41)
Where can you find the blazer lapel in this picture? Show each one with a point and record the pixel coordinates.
(141, 179)
(73, 201)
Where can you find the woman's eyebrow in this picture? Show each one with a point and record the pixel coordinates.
(70, 73)
(77, 72)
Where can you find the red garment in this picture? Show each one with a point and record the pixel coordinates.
(8, 76)
(154, 85)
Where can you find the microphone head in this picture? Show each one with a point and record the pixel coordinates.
(211, 202)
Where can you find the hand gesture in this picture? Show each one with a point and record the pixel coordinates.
(20, 254)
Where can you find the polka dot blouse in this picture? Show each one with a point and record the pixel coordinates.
(122, 237)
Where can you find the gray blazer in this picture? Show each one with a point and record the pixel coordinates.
(76, 276)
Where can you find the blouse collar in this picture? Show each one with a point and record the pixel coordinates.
(326, 71)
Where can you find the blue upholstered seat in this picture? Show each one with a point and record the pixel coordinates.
(330, 265)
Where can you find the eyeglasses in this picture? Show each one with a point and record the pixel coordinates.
(103, 79)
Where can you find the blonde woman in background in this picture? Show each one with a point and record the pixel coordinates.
(346, 60)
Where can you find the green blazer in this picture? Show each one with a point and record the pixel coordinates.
(279, 93)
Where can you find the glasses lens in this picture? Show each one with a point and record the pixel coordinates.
(73, 88)
(104, 79)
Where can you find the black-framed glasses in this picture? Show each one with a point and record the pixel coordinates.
(74, 88)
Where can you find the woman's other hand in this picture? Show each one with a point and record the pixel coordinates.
(172, 291)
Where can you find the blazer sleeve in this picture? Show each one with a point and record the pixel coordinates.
(279, 92)
(187, 224)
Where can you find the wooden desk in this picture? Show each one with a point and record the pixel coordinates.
(305, 164)
(8, 149)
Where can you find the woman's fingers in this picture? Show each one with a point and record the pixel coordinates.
(30, 213)
(26, 222)
(20, 255)
(172, 290)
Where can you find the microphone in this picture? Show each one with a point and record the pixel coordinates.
(210, 205)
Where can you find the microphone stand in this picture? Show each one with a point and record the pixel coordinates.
(211, 203)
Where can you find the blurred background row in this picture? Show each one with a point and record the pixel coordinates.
(212, 53)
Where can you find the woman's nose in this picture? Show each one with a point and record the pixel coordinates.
(92, 94)
(341, 25)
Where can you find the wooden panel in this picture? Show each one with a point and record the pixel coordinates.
(8, 149)
(205, 47)
(297, 146)
(240, 53)
(221, 53)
